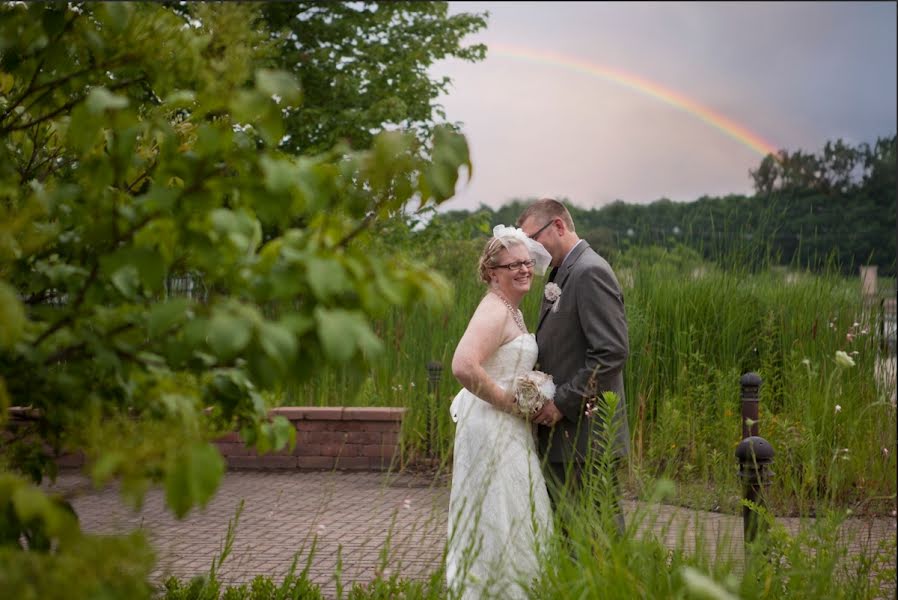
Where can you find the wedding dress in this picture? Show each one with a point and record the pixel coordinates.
(499, 510)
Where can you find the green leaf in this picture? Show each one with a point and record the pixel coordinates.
(84, 128)
(327, 277)
(180, 99)
(278, 342)
(280, 83)
(100, 99)
(228, 335)
(279, 174)
(132, 267)
(12, 317)
(105, 466)
(284, 433)
(193, 477)
(158, 198)
(126, 280)
(341, 332)
(115, 15)
(165, 314)
(5, 402)
(248, 105)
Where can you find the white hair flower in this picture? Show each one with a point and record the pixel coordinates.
(539, 254)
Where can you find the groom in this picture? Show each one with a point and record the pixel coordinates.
(583, 344)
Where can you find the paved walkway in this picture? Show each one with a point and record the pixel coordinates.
(360, 517)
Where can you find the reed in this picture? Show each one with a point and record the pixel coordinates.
(695, 328)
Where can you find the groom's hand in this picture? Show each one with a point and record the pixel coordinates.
(548, 415)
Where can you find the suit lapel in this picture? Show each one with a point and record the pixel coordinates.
(561, 278)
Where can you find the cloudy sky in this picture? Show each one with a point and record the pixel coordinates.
(638, 101)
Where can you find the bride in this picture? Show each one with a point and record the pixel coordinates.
(499, 511)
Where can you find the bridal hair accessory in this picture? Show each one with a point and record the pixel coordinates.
(531, 391)
(541, 257)
(552, 293)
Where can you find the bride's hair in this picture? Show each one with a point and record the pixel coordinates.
(488, 257)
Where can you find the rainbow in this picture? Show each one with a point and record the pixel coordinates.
(723, 124)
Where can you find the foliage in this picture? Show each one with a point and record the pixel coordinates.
(63, 562)
(816, 211)
(363, 66)
(136, 145)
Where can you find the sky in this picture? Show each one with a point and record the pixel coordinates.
(637, 101)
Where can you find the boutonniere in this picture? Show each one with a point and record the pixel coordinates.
(552, 294)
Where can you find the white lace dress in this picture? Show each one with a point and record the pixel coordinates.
(499, 511)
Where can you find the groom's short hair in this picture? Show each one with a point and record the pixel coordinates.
(546, 209)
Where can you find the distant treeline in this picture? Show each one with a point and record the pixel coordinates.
(834, 209)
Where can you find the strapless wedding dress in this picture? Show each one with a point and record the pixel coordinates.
(499, 511)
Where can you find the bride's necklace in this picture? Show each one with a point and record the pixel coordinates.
(515, 313)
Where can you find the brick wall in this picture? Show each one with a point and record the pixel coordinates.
(359, 439)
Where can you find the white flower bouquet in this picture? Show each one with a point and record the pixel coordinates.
(531, 391)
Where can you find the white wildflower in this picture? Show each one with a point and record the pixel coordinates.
(838, 408)
(843, 359)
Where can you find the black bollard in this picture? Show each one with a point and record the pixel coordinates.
(434, 370)
(751, 383)
(755, 455)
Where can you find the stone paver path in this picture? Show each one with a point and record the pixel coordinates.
(370, 519)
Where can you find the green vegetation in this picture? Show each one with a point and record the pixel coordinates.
(230, 152)
(834, 209)
(695, 328)
(142, 144)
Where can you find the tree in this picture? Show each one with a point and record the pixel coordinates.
(135, 146)
(363, 66)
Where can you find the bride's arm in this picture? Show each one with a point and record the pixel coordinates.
(484, 335)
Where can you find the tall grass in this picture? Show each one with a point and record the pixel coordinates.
(694, 329)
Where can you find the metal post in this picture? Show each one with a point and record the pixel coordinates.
(755, 455)
(434, 370)
(751, 383)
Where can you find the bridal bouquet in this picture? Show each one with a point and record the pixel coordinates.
(532, 390)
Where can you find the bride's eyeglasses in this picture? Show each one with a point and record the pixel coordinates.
(518, 265)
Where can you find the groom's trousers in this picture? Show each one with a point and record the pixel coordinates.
(565, 481)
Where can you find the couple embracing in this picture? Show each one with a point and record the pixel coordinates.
(506, 477)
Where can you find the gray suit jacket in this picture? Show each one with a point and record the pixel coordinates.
(583, 344)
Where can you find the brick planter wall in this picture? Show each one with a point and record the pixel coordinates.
(360, 439)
